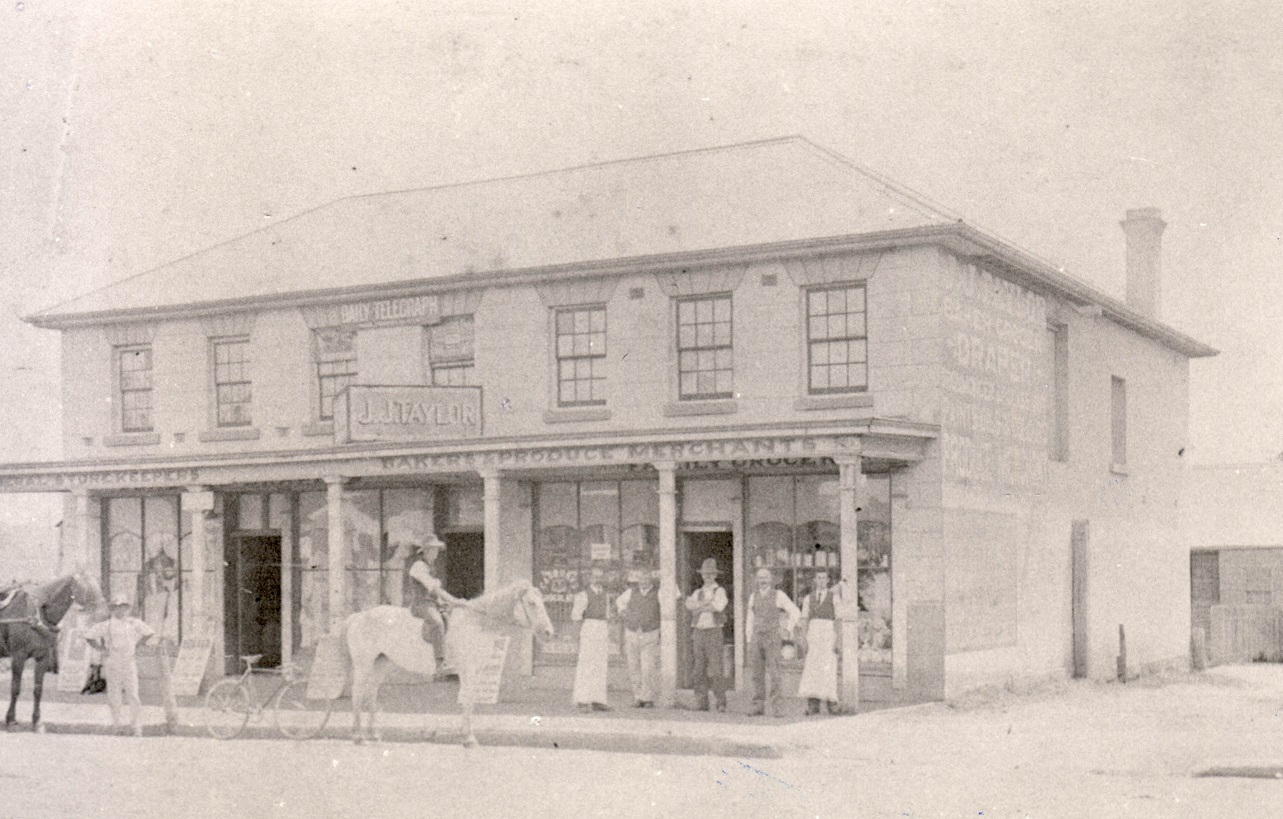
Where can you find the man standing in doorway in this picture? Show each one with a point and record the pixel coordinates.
(591, 608)
(765, 627)
(640, 610)
(424, 592)
(707, 605)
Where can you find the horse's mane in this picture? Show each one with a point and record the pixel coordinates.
(499, 603)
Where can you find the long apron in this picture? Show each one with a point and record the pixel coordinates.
(590, 671)
(820, 672)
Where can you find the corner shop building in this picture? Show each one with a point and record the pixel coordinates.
(762, 354)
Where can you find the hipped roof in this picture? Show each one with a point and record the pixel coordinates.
(784, 195)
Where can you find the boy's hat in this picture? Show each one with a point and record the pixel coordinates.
(710, 565)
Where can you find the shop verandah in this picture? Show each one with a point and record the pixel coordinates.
(275, 579)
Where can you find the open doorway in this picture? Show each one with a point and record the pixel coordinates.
(695, 548)
(463, 565)
(252, 600)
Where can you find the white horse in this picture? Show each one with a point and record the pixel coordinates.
(378, 637)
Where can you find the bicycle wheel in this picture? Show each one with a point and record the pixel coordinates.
(227, 709)
(296, 716)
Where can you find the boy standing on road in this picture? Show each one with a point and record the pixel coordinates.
(118, 638)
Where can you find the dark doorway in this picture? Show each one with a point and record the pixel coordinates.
(695, 548)
(252, 600)
(464, 564)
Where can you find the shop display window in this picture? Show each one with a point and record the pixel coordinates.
(581, 525)
(143, 558)
(794, 530)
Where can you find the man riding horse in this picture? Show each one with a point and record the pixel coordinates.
(424, 593)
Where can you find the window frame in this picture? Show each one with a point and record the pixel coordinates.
(812, 341)
(124, 411)
(594, 357)
(696, 348)
(246, 380)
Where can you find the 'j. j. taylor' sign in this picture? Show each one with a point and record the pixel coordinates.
(364, 413)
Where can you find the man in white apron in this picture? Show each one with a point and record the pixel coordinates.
(820, 672)
(591, 609)
(118, 638)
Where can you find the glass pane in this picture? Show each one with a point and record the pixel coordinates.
(313, 564)
(599, 321)
(125, 535)
(722, 310)
(157, 603)
(557, 505)
(250, 511)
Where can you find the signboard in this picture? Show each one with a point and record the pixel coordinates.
(365, 413)
(189, 668)
(329, 670)
(483, 688)
(73, 660)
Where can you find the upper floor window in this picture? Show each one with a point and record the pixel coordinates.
(1118, 419)
(581, 356)
(836, 340)
(704, 363)
(335, 350)
(451, 352)
(134, 379)
(232, 391)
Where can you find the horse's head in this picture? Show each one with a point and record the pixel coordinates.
(529, 612)
(85, 592)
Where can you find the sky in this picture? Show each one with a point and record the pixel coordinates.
(136, 133)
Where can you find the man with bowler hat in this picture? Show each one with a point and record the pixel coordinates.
(707, 606)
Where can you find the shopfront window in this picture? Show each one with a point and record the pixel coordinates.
(874, 571)
(794, 530)
(313, 583)
(582, 525)
(143, 558)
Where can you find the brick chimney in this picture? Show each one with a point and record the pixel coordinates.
(1144, 230)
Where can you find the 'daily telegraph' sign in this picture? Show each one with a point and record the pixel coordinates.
(367, 413)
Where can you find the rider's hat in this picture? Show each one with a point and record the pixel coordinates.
(430, 542)
(710, 566)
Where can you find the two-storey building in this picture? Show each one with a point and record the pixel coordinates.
(762, 354)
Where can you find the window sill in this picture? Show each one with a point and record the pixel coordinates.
(716, 406)
(132, 439)
(1118, 469)
(828, 402)
(230, 434)
(567, 415)
(318, 428)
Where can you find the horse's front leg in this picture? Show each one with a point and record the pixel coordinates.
(37, 688)
(15, 687)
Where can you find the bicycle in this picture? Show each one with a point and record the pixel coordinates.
(230, 704)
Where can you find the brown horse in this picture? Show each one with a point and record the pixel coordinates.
(28, 631)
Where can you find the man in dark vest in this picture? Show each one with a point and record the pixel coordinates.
(707, 606)
(640, 611)
(424, 593)
(770, 614)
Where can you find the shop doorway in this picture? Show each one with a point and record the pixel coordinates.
(695, 548)
(464, 564)
(252, 600)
